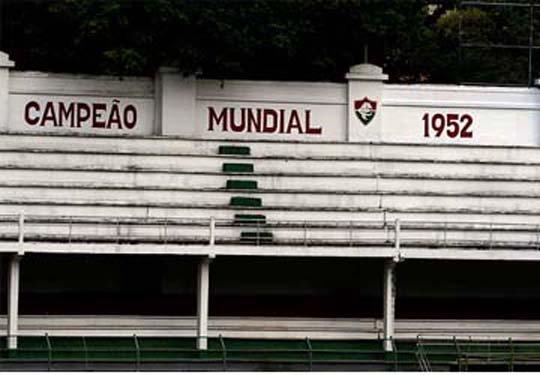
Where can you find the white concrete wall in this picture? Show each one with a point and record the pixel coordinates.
(5, 65)
(321, 110)
(173, 105)
(65, 104)
(175, 100)
(500, 116)
(497, 116)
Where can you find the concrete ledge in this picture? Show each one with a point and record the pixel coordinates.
(272, 251)
(272, 328)
(171, 145)
(206, 250)
(304, 187)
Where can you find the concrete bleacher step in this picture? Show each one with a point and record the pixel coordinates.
(332, 150)
(149, 177)
(256, 237)
(249, 219)
(301, 214)
(272, 199)
(268, 166)
(301, 184)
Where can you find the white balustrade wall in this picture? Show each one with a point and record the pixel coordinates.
(364, 109)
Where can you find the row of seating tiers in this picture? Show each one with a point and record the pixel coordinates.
(467, 196)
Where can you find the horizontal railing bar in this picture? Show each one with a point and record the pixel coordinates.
(303, 233)
(143, 220)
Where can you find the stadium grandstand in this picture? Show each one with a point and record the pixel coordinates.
(188, 224)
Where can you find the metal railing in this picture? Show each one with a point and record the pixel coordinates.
(137, 351)
(257, 232)
(423, 361)
(224, 354)
(466, 353)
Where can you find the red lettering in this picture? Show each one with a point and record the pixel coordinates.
(281, 120)
(114, 118)
(76, 115)
(96, 115)
(242, 124)
(48, 115)
(130, 123)
(27, 115)
(309, 129)
(65, 114)
(294, 123)
(261, 120)
(214, 119)
(270, 114)
(254, 122)
(83, 114)
(456, 126)
(468, 120)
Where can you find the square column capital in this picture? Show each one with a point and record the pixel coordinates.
(5, 62)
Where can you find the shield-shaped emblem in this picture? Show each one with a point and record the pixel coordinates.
(365, 110)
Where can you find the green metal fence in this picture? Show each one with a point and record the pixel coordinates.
(308, 355)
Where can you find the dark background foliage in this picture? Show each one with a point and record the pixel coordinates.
(414, 40)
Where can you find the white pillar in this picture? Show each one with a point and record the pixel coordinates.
(365, 92)
(5, 65)
(389, 286)
(203, 289)
(212, 231)
(175, 98)
(13, 301)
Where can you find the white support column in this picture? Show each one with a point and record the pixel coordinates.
(389, 286)
(365, 92)
(13, 301)
(21, 229)
(212, 231)
(203, 289)
(176, 104)
(5, 65)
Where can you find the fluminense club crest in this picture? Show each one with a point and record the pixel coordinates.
(365, 110)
